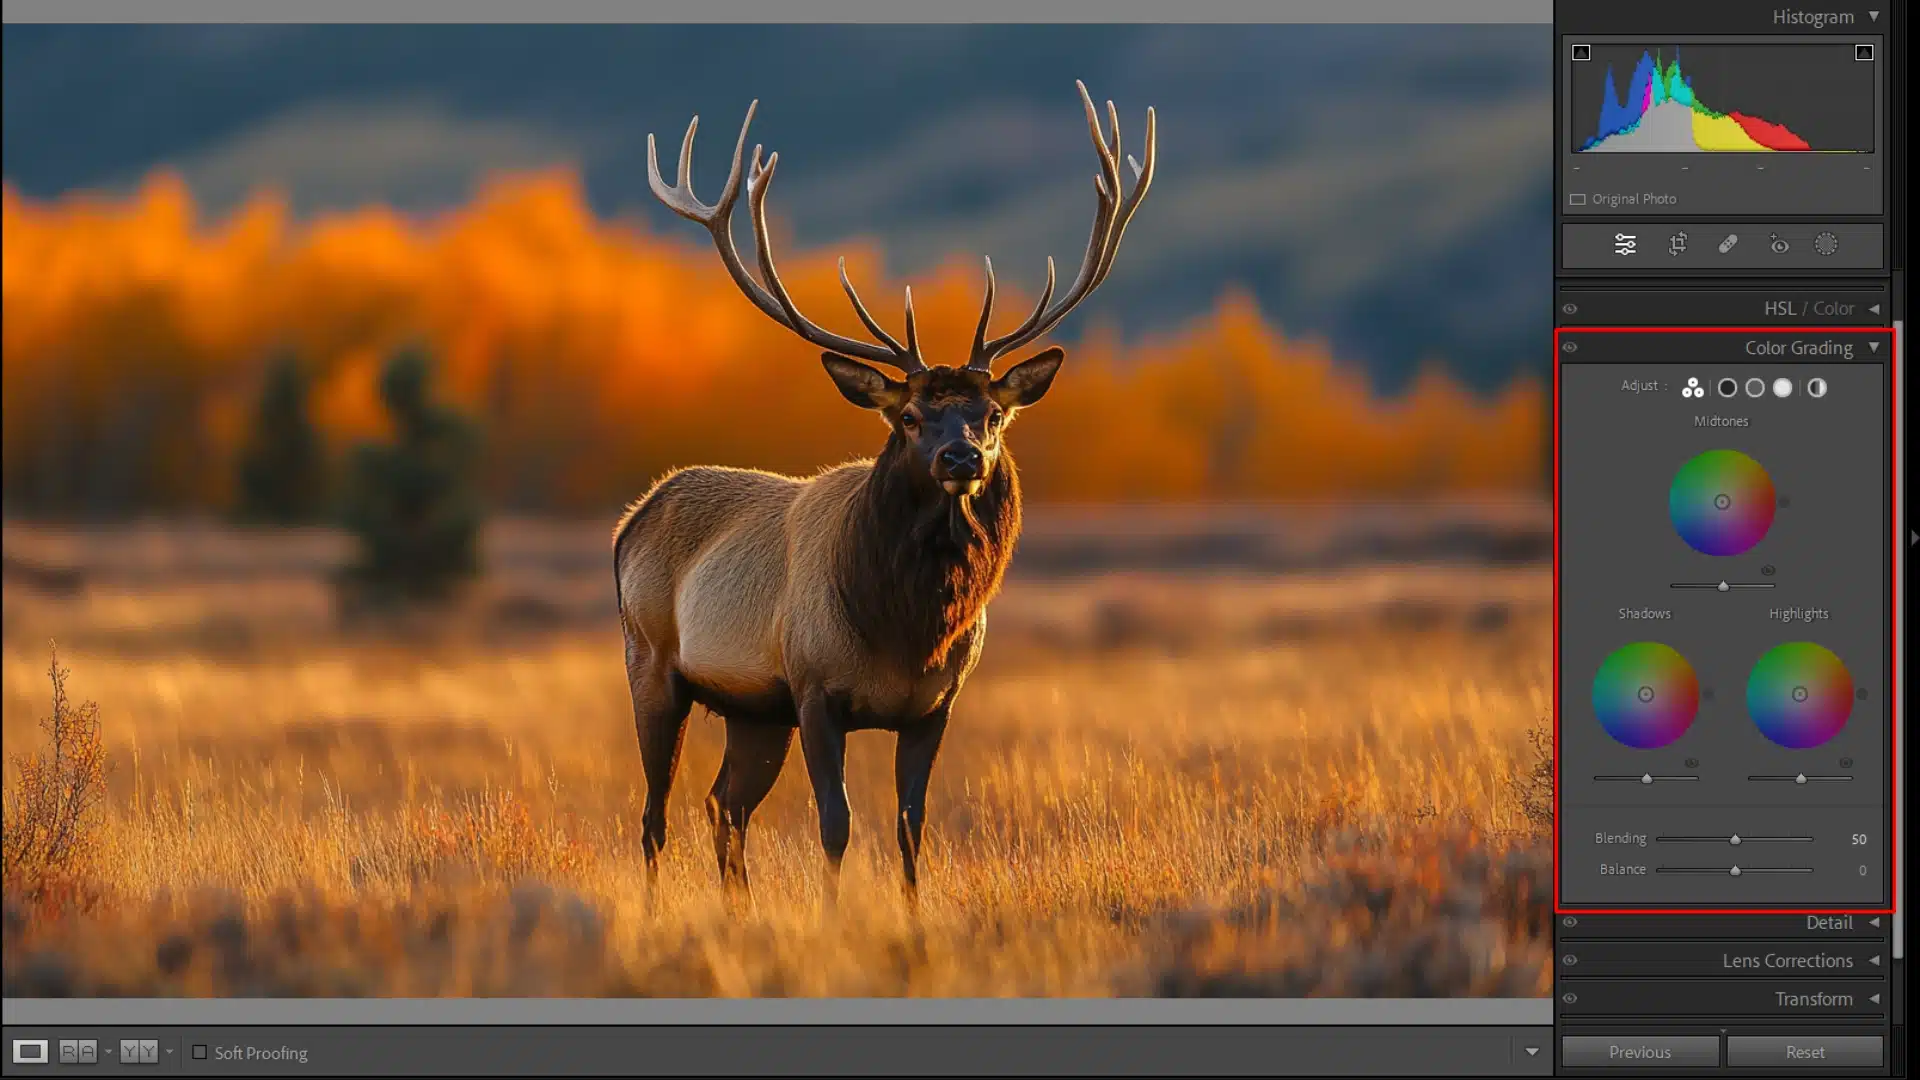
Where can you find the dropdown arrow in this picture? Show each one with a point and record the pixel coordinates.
(1875, 961)
(1873, 15)
(1874, 922)
(1875, 999)
(1873, 346)
(1875, 309)
(1533, 1051)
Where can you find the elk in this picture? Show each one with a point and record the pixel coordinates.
(854, 599)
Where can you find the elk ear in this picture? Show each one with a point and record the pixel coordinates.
(1028, 381)
(862, 385)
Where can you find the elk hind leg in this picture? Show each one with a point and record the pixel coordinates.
(660, 706)
(756, 751)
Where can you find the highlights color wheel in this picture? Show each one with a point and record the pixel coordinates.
(1646, 695)
(1800, 695)
(1721, 502)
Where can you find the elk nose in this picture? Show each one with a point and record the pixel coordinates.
(962, 461)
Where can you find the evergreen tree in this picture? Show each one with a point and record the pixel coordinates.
(414, 504)
(283, 468)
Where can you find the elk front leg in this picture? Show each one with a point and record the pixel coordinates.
(824, 743)
(912, 768)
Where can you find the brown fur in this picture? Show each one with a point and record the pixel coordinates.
(862, 591)
(915, 573)
(859, 580)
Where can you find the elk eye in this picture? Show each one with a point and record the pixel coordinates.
(909, 420)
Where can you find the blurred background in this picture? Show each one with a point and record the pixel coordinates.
(1336, 289)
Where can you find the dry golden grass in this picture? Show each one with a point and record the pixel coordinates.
(1155, 785)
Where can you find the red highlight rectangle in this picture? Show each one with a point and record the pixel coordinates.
(1893, 580)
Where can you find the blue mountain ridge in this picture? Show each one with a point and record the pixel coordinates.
(1383, 187)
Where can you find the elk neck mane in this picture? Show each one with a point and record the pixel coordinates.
(916, 567)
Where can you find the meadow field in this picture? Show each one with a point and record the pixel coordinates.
(1210, 754)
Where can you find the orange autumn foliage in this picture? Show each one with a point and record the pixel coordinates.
(597, 354)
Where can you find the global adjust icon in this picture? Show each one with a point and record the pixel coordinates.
(1693, 389)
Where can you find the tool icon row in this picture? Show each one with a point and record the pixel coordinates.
(1624, 243)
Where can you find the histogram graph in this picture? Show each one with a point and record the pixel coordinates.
(1723, 98)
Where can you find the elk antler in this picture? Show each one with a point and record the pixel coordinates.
(772, 298)
(1109, 222)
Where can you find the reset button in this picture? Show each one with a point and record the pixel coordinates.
(1807, 1051)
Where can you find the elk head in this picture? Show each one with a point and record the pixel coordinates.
(949, 420)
